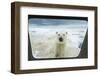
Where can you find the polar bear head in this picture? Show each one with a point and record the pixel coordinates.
(61, 37)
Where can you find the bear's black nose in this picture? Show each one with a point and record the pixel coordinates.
(61, 39)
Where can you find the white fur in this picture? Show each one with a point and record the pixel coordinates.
(66, 48)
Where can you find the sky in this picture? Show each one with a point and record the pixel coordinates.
(41, 22)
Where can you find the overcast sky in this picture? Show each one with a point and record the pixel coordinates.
(36, 22)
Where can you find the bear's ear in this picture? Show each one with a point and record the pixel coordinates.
(56, 32)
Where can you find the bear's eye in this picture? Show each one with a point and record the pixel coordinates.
(66, 33)
(58, 34)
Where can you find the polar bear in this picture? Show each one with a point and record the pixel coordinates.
(65, 47)
(60, 44)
